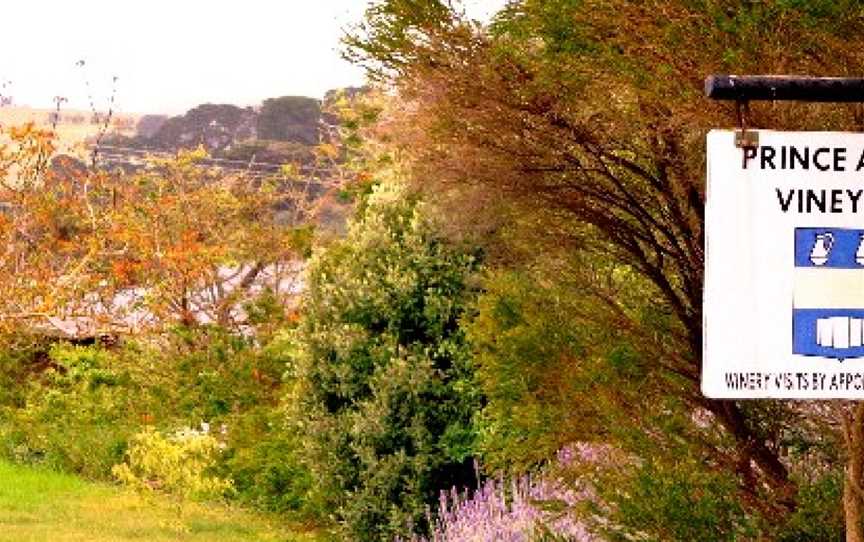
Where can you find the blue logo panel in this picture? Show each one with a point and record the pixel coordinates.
(841, 246)
(807, 341)
(828, 300)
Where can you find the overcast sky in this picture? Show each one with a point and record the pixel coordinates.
(170, 55)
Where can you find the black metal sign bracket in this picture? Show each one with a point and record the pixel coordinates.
(742, 89)
(785, 88)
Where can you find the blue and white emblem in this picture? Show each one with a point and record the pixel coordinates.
(828, 300)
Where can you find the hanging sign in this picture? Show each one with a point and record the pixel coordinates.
(784, 266)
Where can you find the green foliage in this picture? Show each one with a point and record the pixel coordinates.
(263, 456)
(79, 409)
(680, 502)
(819, 517)
(557, 364)
(267, 472)
(90, 367)
(384, 397)
(527, 350)
(14, 372)
(213, 375)
(77, 419)
(385, 31)
(181, 464)
(563, 117)
(555, 373)
(289, 118)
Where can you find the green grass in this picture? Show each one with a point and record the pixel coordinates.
(38, 505)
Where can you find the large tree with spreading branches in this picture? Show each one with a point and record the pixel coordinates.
(583, 123)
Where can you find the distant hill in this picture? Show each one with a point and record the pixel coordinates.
(218, 127)
(292, 120)
(282, 129)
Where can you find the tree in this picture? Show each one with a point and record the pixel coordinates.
(384, 396)
(149, 125)
(176, 243)
(290, 118)
(215, 126)
(560, 373)
(586, 121)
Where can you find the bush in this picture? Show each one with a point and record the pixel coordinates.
(385, 398)
(182, 464)
(263, 459)
(554, 371)
(79, 409)
(521, 511)
(76, 418)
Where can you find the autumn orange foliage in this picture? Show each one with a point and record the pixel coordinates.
(174, 242)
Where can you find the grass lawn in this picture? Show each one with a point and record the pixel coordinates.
(37, 505)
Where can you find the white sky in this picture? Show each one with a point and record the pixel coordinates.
(170, 55)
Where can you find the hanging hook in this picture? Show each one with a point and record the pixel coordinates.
(858, 116)
(746, 140)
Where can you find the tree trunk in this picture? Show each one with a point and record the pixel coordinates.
(852, 512)
(853, 498)
(753, 450)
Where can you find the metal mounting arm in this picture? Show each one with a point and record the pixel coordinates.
(743, 88)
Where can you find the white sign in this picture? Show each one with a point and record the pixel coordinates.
(784, 267)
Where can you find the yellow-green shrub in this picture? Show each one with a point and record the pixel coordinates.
(180, 464)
